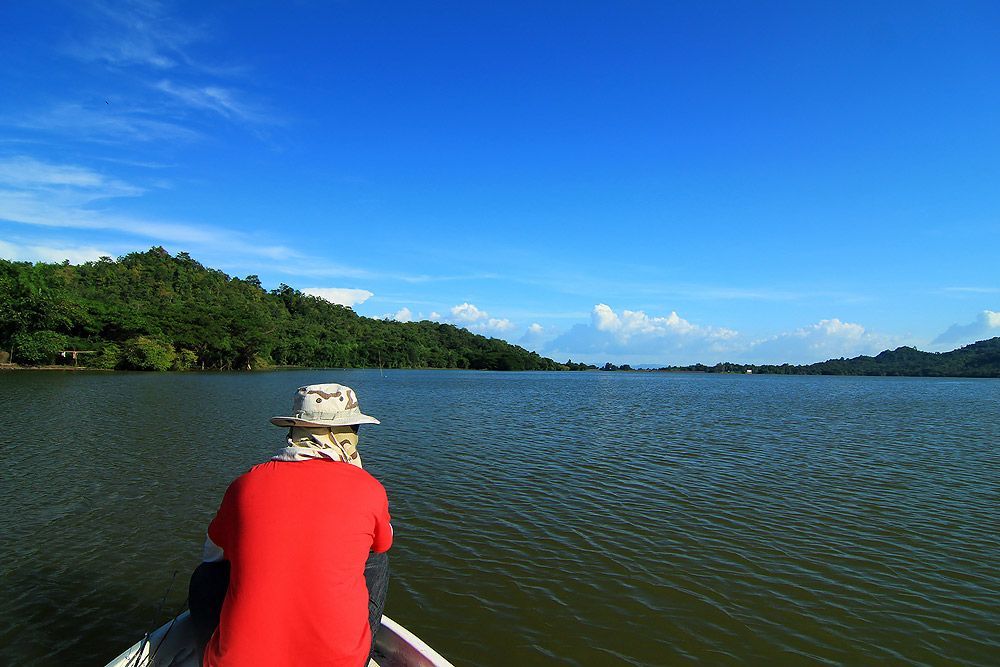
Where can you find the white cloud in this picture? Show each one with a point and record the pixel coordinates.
(470, 317)
(637, 324)
(537, 336)
(986, 325)
(343, 296)
(827, 339)
(467, 314)
(498, 326)
(401, 315)
(634, 337)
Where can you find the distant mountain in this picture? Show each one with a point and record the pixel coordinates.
(154, 311)
(980, 360)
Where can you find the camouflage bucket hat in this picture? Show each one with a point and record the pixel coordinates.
(324, 405)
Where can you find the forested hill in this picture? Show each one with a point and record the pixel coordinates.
(154, 311)
(981, 360)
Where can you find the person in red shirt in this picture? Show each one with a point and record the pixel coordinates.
(303, 538)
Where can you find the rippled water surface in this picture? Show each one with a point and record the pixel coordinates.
(541, 518)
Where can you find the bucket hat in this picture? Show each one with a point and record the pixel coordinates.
(324, 405)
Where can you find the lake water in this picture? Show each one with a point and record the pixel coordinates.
(540, 518)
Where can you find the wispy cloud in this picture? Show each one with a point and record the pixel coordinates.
(136, 32)
(40, 253)
(73, 182)
(451, 277)
(973, 290)
(318, 268)
(161, 87)
(729, 293)
(324, 267)
(105, 125)
(222, 101)
(694, 292)
(33, 192)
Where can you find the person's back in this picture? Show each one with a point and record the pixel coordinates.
(302, 538)
(298, 535)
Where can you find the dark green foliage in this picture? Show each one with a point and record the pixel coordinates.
(980, 359)
(152, 311)
(39, 347)
(147, 354)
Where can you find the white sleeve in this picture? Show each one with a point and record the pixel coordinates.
(213, 552)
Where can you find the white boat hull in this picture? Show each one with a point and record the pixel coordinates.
(173, 645)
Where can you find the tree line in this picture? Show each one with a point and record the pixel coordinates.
(154, 311)
(978, 360)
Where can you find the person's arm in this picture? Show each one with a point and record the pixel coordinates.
(383, 527)
(219, 530)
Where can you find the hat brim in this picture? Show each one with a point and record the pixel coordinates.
(353, 420)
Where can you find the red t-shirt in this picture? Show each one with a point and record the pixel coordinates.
(298, 534)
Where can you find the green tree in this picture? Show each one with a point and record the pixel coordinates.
(147, 354)
(39, 347)
(109, 357)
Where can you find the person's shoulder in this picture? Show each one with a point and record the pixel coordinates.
(264, 466)
(261, 469)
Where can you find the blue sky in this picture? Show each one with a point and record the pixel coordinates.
(635, 182)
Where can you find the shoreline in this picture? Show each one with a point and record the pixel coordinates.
(18, 367)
